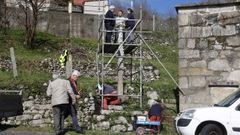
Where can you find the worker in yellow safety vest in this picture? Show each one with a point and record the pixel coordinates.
(63, 58)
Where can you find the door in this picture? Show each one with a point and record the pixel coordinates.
(235, 121)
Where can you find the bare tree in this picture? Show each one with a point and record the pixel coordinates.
(31, 11)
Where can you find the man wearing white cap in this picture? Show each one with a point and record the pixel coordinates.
(59, 89)
(109, 23)
(72, 107)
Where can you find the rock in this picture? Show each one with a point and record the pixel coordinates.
(118, 128)
(201, 64)
(86, 100)
(219, 65)
(183, 82)
(37, 116)
(197, 81)
(130, 128)
(105, 112)
(156, 72)
(28, 104)
(136, 113)
(188, 54)
(37, 123)
(121, 120)
(234, 76)
(115, 107)
(103, 125)
(100, 117)
(30, 98)
(152, 95)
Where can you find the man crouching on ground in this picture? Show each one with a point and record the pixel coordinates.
(59, 89)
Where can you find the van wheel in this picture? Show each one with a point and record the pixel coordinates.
(211, 129)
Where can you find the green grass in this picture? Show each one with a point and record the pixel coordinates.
(166, 131)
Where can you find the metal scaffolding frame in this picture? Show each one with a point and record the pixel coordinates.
(109, 51)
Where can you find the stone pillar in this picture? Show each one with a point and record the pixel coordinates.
(120, 71)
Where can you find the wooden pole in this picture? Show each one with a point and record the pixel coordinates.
(154, 22)
(13, 59)
(69, 66)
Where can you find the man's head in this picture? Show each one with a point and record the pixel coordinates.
(55, 74)
(129, 10)
(112, 7)
(152, 102)
(75, 74)
(120, 13)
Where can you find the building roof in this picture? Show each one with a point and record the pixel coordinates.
(204, 5)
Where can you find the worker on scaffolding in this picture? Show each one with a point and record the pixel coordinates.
(130, 24)
(109, 23)
(110, 95)
(120, 26)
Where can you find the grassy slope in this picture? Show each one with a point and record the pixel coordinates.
(50, 46)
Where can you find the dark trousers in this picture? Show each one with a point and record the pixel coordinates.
(73, 113)
(58, 118)
(108, 38)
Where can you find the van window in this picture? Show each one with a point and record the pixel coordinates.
(229, 100)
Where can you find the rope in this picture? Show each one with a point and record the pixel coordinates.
(161, 64)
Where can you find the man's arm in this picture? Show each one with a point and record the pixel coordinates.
(70, 92)
(49, 89)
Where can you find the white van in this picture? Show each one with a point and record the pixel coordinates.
(220, 119)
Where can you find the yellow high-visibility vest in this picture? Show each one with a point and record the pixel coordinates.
(63, 58)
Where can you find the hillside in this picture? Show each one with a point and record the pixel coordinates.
(34, 70)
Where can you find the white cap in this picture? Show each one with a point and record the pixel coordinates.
(76, 73)
(55, 74)
(152, 102)
(111, 7)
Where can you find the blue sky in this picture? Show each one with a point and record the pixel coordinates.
(162, 6)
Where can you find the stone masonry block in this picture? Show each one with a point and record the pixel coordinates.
(183, 63)
(184, 32)
(188, 54)
(196, 19)
(183, 19)
(183, 82)
(203, 44)
(219, 65)
(206, 31)
(195, 72)
(209, 54)
(197, 81)
(233, 41)
(191, 43)
(196, 32)
(234, 76)
(199, 64)
(236, 64)
(181, 43)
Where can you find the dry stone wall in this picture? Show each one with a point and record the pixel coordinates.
(209, 51)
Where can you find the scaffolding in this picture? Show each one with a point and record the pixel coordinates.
(120, 53)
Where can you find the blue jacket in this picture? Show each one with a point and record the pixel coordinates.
(130, 23)
(109, 24)
(155, 110)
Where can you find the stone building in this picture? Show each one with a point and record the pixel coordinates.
(209, 52)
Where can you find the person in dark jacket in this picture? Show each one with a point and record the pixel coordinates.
(130, 24)
(109, 23)
(72, 107)
(156, 112)
(110, 96)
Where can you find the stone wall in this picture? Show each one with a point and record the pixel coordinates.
(38, 113)
(209, 51)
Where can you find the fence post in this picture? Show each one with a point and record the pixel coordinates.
(69, 66)
(13, 59)
(154, 22)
